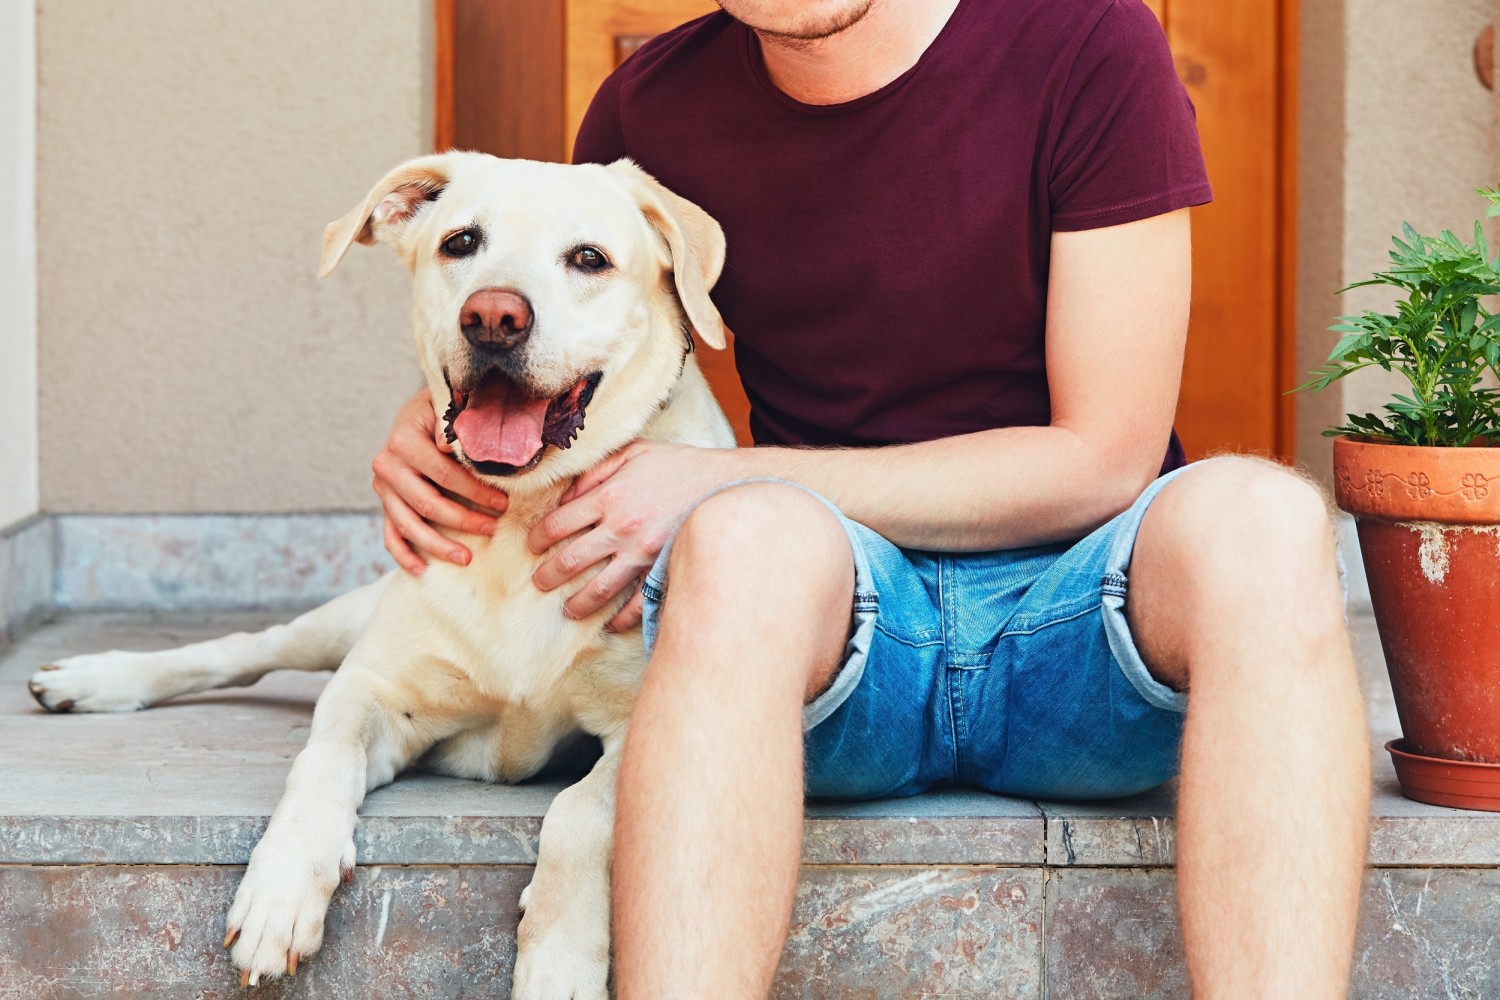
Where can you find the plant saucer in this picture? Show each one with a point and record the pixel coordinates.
(1461, 784)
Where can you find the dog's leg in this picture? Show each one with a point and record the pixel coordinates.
(562, 946)
(123, 682)
(357, 744)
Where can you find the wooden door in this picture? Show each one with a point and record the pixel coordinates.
(515, 78)
(1237, 59)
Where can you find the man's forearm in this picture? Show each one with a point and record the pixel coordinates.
(1004, 488)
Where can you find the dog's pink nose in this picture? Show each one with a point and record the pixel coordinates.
(496, 318)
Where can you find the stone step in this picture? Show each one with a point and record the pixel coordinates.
(122, 839)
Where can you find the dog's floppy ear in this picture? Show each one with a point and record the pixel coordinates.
(394, 201)
(695, 241)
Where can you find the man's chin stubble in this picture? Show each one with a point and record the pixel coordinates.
(807, 36)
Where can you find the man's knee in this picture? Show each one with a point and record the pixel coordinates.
(1237, 516)
(776, 558)
(1235, 542)
(753, 530)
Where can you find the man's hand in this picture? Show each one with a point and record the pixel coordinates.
(416, 457)
(626, 507)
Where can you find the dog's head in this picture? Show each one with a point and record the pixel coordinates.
(544, 295)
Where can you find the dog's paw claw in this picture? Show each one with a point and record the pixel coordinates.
(94, 683)
(39, 692)
(281, 904)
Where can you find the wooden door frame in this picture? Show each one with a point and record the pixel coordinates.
(1289, 16)
(442, 82)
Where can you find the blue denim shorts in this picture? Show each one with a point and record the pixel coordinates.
(1010, 671)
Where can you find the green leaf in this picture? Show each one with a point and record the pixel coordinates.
(1341, 350)
(1438, 335)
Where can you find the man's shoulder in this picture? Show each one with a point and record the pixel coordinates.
(1109, 24)
(1068, 24)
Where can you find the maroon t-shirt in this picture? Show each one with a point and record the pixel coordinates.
(886, 278)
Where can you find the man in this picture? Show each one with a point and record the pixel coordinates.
(959, 263)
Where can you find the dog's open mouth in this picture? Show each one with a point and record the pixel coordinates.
(504, 428)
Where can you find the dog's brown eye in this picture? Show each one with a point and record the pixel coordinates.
(589, 258)
(461, 244)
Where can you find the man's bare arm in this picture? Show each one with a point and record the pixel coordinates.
(1117, 318)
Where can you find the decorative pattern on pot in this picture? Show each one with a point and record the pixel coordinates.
(1452, 485)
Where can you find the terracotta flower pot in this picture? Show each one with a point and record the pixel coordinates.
(1429, 530)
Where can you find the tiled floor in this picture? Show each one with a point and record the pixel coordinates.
(114, 831)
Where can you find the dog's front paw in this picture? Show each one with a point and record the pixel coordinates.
(277, 916)
(562, 951)
(554, 969)
(99, 682)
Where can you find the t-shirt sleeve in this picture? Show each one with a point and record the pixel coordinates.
(1127, 143)
(600, 139)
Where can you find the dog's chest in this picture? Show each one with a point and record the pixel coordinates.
(512, 638)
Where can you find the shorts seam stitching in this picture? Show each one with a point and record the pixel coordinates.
(958, 719)
(945, 609)
(906, 641)
(1095, 606)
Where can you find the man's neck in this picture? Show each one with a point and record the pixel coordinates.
(859, 60)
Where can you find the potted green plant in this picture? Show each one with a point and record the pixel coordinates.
(1422, 480)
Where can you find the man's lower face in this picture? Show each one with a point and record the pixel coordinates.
(805, 20)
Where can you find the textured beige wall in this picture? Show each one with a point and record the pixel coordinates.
(190, 154)
(1320, 219)
(1419, 141)
(18, 443)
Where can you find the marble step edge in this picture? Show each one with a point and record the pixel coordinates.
(1015, 840)
(1427, 837)
(50, 840)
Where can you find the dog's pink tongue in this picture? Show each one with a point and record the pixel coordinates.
(499, 425)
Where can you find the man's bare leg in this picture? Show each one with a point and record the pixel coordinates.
(709, 810)
(1233, 594)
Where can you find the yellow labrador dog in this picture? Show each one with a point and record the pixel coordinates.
(553, 312)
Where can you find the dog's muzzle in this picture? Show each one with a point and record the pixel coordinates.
(503, 428)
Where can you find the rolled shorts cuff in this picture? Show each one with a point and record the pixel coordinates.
(865, 604)
(1116, 584)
